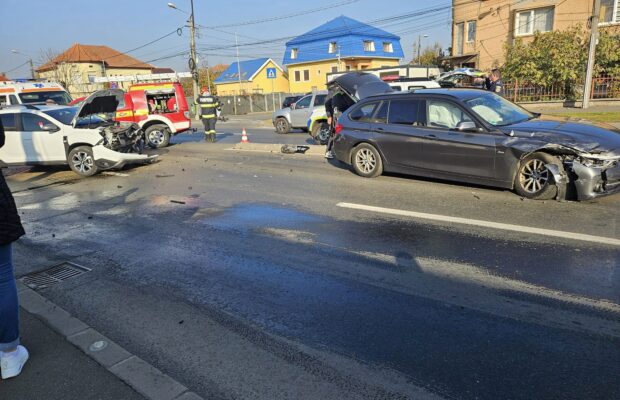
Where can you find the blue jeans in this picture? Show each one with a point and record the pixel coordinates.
(9, 308)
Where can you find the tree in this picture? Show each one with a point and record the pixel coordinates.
(431, 55)
(61, 71)
(557, 57)
(608, 54)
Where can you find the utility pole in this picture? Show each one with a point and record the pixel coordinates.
(192, 51)
(587, 90)
(419, 45)
(31, 68)
(238, 63)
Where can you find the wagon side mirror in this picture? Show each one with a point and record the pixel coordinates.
(467, 126)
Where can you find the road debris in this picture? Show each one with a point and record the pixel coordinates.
(292, 149)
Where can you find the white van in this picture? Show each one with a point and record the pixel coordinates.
(29, 92)
(412, 84)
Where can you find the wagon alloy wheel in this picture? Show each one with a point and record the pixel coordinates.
(366, 161)
(534, 176)
(83, 162)
(534, 180)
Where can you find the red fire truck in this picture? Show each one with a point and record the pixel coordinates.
(159, 108)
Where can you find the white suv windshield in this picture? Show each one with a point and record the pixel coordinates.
(66, 115)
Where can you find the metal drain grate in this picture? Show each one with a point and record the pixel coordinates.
(53, 275)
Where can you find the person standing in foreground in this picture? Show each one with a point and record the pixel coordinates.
(13, 356)
(208, 112)
(494, 83)
(334, 106)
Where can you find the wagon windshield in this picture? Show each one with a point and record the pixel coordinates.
(497, 111)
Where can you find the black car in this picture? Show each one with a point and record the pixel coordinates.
(475, 136)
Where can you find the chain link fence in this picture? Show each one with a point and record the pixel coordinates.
(245, 104)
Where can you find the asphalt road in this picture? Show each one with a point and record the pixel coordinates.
(242, 276)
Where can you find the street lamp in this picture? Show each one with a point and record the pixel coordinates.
(192, 45)
(29, 60)
(420, 45)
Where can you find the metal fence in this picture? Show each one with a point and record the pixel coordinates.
(603, 87)
(606, 87)
(245, 104)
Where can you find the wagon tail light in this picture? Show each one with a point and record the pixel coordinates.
(338, 129)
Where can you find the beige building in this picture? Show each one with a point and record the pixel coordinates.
(76, 68)
(480, 28)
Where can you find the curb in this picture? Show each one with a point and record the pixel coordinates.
(314, 150)
(135, 372)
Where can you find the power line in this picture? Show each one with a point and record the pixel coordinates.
(296, 14)
(18, 67)
(178, 31)
(343, 30)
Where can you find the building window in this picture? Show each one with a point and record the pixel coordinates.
(531, 21)
(460, 28)
(471, 31)
(334, 69)
(610, 12)
(306, 75)
(333, 47)
(369, 45)
(388, 47)
(293, 54)
(297, 76)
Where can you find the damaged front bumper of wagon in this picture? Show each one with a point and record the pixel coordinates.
(591, 178)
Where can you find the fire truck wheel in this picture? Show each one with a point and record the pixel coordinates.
(157, 136)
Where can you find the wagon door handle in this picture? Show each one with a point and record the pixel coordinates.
(431, 136)
(380, 129)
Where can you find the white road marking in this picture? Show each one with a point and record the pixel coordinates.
(486, 224)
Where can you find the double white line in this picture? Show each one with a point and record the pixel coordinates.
(485, 224)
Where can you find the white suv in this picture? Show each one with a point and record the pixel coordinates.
(86, 138)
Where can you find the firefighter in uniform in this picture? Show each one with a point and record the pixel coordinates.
(208, 112)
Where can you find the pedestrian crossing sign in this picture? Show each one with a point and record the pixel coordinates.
(271, 73)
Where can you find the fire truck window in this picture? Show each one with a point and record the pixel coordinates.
(161, 103)
(13, 99)
(3, 100)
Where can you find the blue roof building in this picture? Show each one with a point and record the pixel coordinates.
(261, 75)
(341, 44)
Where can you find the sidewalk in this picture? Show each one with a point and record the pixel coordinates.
(71, 361)
(57, 370)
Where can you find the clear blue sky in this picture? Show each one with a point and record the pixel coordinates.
(32, 26)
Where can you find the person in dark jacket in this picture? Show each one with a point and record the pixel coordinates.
(13, 356)
(494, 83)
(334, 106)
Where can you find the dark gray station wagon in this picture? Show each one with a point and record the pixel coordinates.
(475, 136)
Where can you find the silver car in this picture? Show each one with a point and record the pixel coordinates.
(297, 116)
